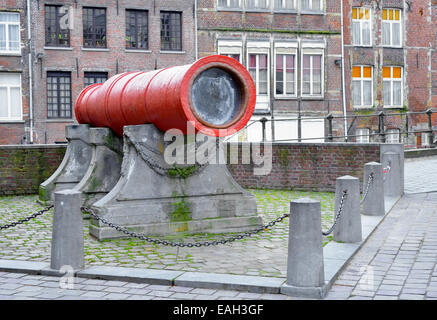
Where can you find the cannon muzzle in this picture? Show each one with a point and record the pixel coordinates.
(216, 94)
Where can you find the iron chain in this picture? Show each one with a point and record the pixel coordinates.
(337, 216)
(21, 221)
(369, 182)
(183, 244)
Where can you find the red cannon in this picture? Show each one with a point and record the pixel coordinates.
(215, 93)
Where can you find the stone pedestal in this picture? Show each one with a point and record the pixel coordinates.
(74, 165)
(155, 198)
(104, 168)
(348, 228)
(373, 204)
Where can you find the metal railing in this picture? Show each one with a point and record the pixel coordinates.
(403, 125)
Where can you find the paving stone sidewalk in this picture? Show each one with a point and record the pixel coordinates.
(420, 175)
(16, 286)
(399, 261)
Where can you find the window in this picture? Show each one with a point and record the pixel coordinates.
(58, 95)
(171, 31)
(312, 74)
(257, 4)
(392, 136)
(10, 96)
(391, 27)
(361, 27)
(94, 27)
(311, 5)
(285, 75)
(55, 36)
(285, 4)
(259, 68)
(94, 77)
(363, 135)
(137, 36)
(392, 86)
(229, 3)
(424, 137)
(9, 32)
(230, 48)
(362, 86)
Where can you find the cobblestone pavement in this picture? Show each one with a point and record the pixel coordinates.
(262, 255)
(399, 260)
(421, 174)
(16, 286)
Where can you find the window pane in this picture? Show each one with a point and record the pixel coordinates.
(4, 113)
(9, 17)
(397, 93)
(14, 37)
(396, 34)
(2, 37)
(15, 103)
(356, 33)
(366, 33)
(367, 93)
(305, 4)
(386, 93)
(385, 34)
(171, 31)
(356, 93)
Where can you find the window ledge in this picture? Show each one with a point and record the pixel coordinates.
(362, 108)
(394, 47)
(313, 98)
(255, 10)
(171, 52)
(314, 12)
(12, 121)
(137, 51)
(59, 120)
(362, 45)
(58, 48)
(229, 9)
(392, 107)
(286, 97)
(285, 11)
(95, 49)
(10, 54)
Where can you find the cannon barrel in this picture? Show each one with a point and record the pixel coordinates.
(216, 94)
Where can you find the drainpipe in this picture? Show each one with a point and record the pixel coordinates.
(196, 54)
(343, 85)
(29, 39)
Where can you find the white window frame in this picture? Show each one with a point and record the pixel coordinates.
(391, 23)
(315, 49)
(311, 6)
(361, 136)
(393, 135)
(228, 47)
(391, 80)
(257, 7)
(7, 24)
(362, 79)
(286, 49)
(283, 8)
(228, 5)
(260, 47)
(8, 88)
(424, 139)
(361, 22)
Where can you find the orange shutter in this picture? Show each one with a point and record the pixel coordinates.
(386, 72)
(397, 72)
(356, 72)
(367, 72)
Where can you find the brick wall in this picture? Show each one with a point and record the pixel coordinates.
(23, 168)
(308, 166)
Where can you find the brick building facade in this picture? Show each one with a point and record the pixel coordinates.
(77, 43)
(390, 66)
(292, 50)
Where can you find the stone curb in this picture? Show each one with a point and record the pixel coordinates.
(336, 257)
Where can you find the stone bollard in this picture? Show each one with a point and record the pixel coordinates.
(348, 227)
(305, 268)
(393, 186)
(373, 204)
(67, 236)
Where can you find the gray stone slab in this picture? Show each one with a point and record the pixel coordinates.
(150, 276)
(30, 267)
(230, 282)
